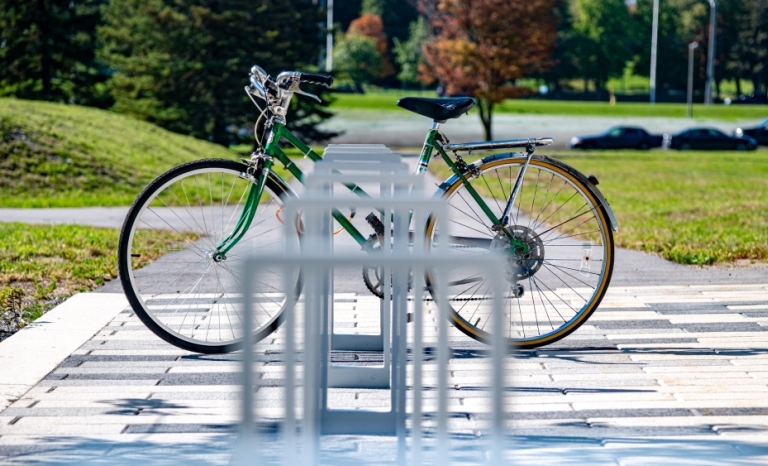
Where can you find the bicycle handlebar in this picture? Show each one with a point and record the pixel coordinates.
(316, 78)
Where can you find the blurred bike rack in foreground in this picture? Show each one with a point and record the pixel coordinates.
(305, 416)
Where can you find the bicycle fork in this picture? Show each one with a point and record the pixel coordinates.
(260, 163)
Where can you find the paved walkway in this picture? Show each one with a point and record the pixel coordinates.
(678, 366)
(631, 267)
(657, 372)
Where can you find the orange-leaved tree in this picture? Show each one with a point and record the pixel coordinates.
(480, 48)
(370, 25)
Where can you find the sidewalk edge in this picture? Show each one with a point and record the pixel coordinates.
(33, 352)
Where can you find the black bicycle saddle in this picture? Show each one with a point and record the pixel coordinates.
(437, 109)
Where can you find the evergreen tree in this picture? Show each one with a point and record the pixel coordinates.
(47, 50)
(183, 63)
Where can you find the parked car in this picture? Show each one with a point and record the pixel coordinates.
(759, 132)
(754, 98)
(708, 139)
(618, 137)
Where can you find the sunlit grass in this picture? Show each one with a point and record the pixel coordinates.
(386, 100)
(688, 207)
(51, 262)
(54, 155)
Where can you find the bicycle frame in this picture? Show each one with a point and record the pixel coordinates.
(272, 149)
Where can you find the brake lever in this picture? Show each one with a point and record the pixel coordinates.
(299, 91)
(257, 85)
(294, 87)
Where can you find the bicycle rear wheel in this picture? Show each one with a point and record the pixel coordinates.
(565, 270)
(183, 293)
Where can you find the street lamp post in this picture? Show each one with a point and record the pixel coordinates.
(711, 52)
(654, 46)
(329, 38)
(691, 47)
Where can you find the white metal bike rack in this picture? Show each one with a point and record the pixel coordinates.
(317, 261)
(377, 160)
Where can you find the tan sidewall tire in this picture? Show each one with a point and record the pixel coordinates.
(582, 317)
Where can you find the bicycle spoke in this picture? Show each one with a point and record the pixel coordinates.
(551, 214)
(195, 295)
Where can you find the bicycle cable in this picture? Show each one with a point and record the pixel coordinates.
(258, 119)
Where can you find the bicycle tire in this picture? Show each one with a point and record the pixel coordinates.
(274, 188)
(541, 164)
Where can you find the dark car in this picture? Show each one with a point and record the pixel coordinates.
(708, 139)
(759, 132)
(618, 137)
(754, 98)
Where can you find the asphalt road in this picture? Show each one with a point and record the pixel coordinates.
(400, 128)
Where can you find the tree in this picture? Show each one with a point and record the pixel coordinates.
(47, 50)
(749, 54)
(564, 60)
(357, 58)
(409, 54)
(603, 42)
(396, 16)
(371, 25)
(373, 7)
(183, 63)
(480, 47)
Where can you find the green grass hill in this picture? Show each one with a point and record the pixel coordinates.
(54, 155)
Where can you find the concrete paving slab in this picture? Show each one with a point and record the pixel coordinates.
(658, 382)
(33, 352)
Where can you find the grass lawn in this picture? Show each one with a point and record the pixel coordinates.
(385, 100)
(688, 207)
(40, 265)
(54, 155)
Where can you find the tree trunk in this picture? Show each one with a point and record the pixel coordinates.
(738, 87)
(486, 114)
(717, 87)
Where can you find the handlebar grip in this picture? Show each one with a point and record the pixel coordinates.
(316, 78)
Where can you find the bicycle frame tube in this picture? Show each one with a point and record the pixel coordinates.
(256, 189)
(273, 150)
(472, 192)
(429, 145)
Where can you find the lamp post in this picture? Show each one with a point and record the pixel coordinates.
(329, 37)
(691, 47)
(654, 46)
(711, 52)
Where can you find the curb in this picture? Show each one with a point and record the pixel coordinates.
(37, 349)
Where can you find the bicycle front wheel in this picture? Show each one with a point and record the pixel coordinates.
(186, 295)
(564, 263)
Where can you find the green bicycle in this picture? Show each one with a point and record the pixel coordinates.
(197, 221)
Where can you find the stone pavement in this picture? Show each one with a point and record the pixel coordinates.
(667, 372)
